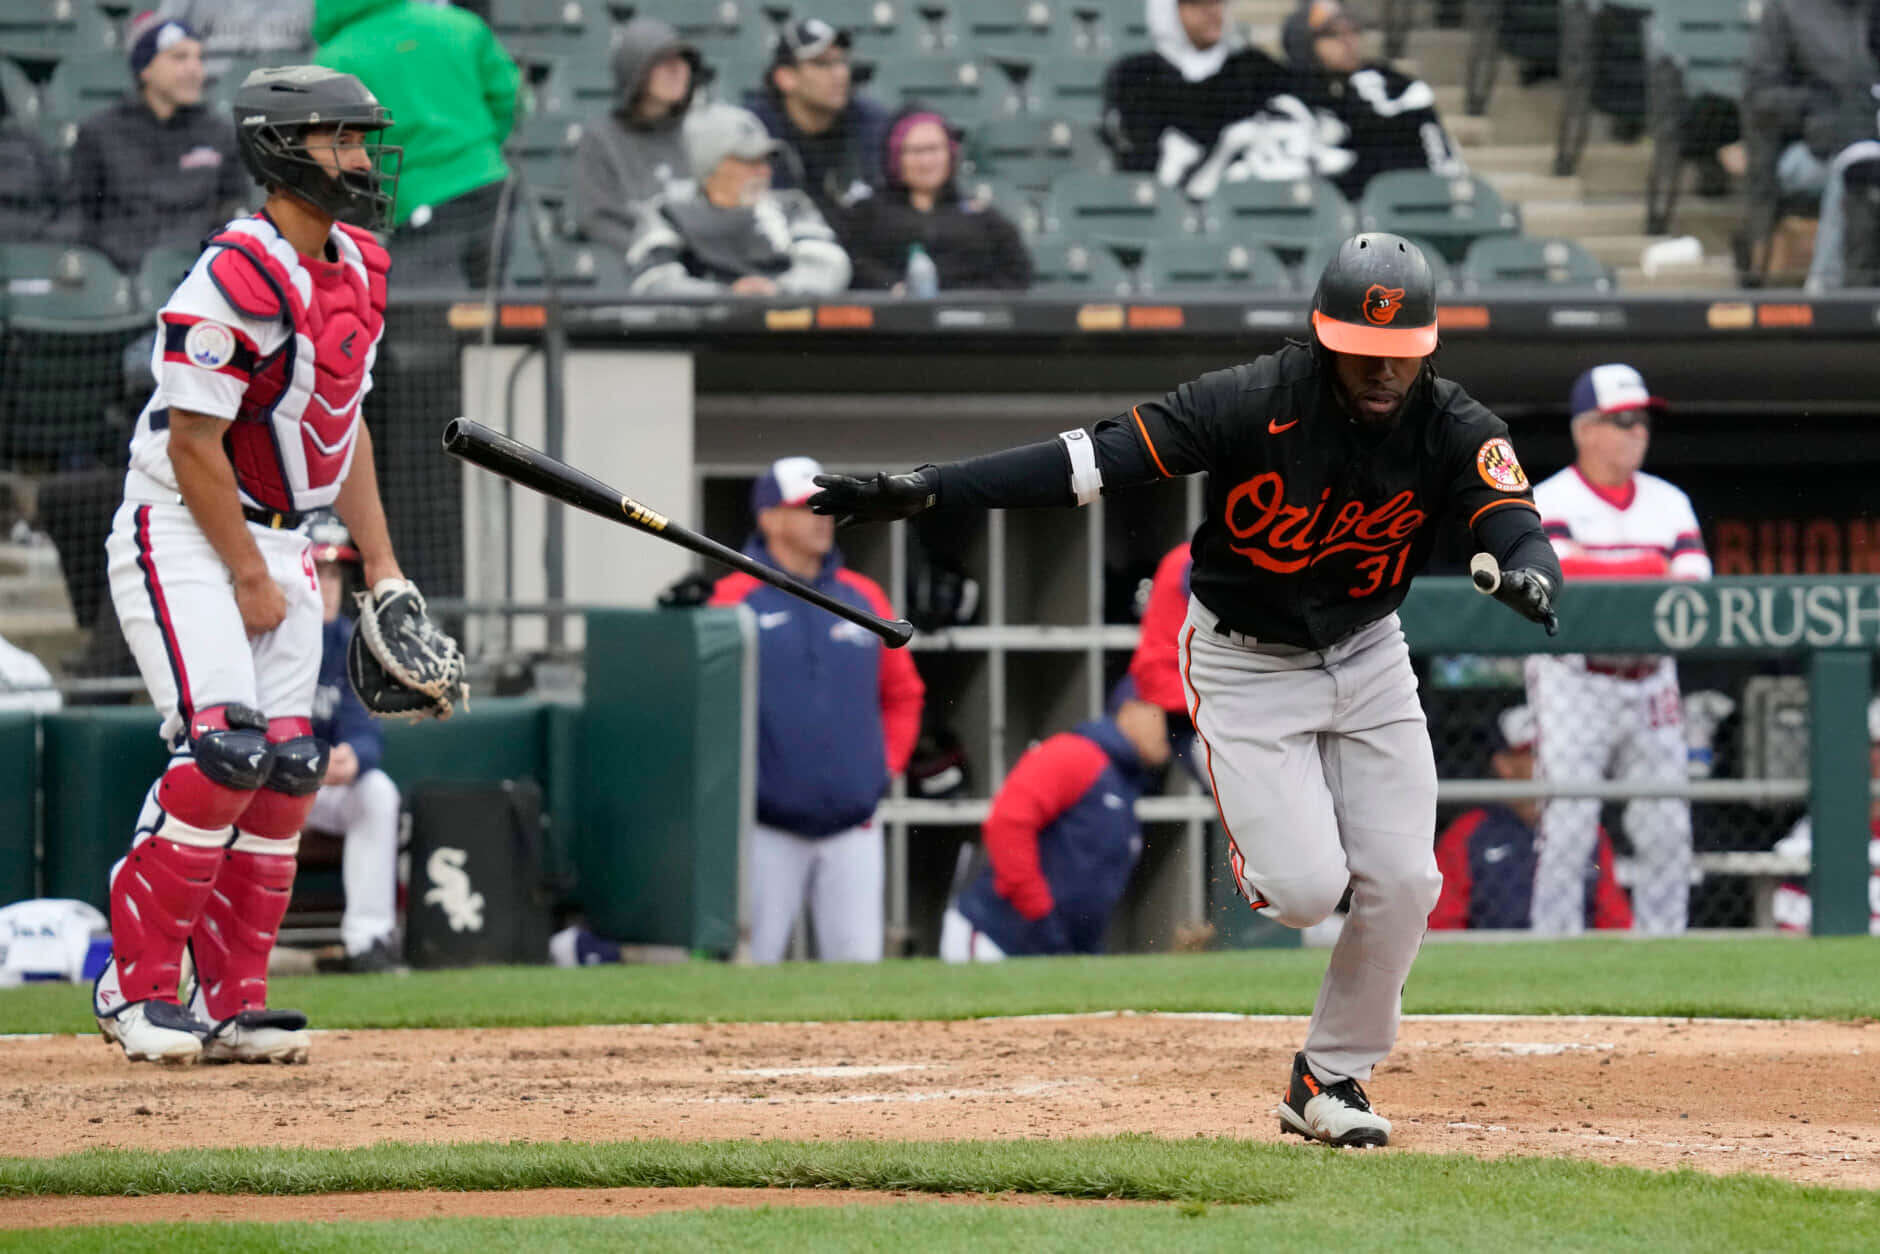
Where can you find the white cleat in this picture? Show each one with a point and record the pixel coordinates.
(1338, 1114)
(259, 1036)
(155, 1031)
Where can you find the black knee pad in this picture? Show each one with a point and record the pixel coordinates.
(230, 745)
(298, 768)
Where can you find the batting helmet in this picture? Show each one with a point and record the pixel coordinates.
(274, 108)
(1376, 298)
(330, 539)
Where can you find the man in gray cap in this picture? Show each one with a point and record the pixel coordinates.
(636, 151)
(732, 232)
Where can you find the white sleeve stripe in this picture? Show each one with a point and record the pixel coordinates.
(1086, 479)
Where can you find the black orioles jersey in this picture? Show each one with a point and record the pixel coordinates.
(1314, 526)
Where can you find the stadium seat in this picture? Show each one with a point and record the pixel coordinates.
(1119, 208)
(46, 31)
(967, 92)
(577, 264)
(80, 87)
(699, 19)
(1451, 213)
(1091, 269)
(1503, 261)
(18, 96)
(1124, 23)
(1288, 216)
(878, 28)
(1068, 87)
(581, 85)
(542, 133)
(1005, 28)
(68, 316)
(1313, 263)
(1692, 48)
(225, 77)
(1028, 151)
(1212, 264)
(160, 271)
(541, 30)
(1020, 204)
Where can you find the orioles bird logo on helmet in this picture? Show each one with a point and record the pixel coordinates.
(1382, 303)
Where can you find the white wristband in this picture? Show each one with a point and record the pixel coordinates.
(1086, 479)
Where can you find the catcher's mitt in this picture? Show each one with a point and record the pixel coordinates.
(401, 663)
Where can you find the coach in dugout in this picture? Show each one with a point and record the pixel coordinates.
(837, 716)
(1061, 840)
(158, 167)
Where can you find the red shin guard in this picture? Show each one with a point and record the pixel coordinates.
(157, 897)
(236, 933)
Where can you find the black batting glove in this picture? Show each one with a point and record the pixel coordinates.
(1530, 594)
(880, 497)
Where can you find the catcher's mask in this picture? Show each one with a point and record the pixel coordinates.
(276, 109)
(1376, 298)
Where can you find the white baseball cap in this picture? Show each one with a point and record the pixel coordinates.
(1611, 389)
(789, 481)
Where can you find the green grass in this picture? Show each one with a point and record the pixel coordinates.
(1748, 978)
(1233, 1194)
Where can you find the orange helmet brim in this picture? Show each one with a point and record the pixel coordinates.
(1368, 341)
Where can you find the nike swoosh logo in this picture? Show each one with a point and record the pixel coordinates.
(775, 619)
(1275, 428)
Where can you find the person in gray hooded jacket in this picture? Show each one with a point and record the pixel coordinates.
(732, 233)
(637, 151)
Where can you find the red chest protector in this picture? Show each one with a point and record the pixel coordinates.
(293, 438)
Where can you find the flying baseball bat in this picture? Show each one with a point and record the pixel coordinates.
(535, 469)
(1486, 572)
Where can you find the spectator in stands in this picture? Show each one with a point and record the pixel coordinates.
(973, 245)
(157, 167)
(833, 136)
(837, 716)
(26, 686)
(1807, 94)
(732, 232)
(637, 151)
(1487, 855)
(359, 802)
(1061, 840)
(1389, 119)
(1847, 240)
(1614, 716)
(1204, 106)
(1792, 906)
(451, 89)
(244, 28)
(29, 185)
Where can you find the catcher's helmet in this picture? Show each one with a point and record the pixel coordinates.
(274, 108)
(1377, 298)
(330, 539)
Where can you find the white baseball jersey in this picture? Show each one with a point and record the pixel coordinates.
(1646, 530)
(280, 345)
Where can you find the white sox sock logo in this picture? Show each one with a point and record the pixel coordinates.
(451, 891)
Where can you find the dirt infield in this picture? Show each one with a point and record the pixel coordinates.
(1795, 1100)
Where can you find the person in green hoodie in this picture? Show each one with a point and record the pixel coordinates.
(452, 87)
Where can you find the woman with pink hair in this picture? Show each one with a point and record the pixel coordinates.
(972, 245)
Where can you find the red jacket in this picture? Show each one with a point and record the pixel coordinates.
(1154, 667)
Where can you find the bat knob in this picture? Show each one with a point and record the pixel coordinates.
(899, 632)
(1484, 581)
(1485, 571)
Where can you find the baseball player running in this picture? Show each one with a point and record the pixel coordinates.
(263, 356)
(1331, 466)
(1619, 716)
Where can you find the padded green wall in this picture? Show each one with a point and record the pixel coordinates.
(19, 768)
(659, 764)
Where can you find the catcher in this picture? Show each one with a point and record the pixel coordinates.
(263, 355)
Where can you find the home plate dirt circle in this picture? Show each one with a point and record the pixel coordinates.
(1798, 1100)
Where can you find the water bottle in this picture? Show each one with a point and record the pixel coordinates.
(923, 277)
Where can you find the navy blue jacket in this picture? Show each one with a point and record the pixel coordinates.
(338, 716)
(837, 712)
(1062, 839)
(830, 165)
(1487, 858)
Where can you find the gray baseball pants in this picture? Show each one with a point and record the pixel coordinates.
(1321, 766)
